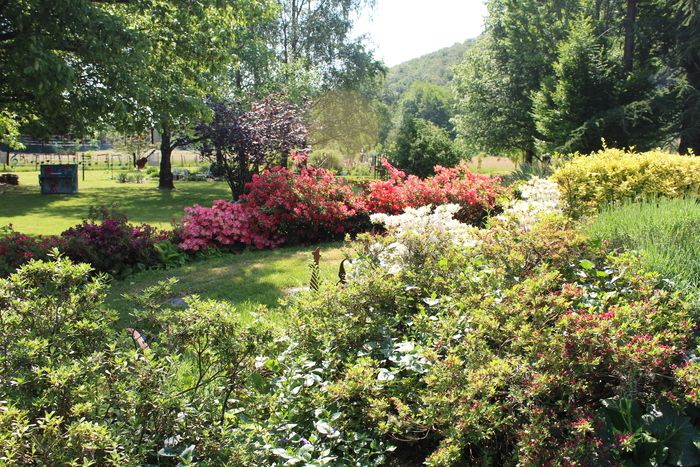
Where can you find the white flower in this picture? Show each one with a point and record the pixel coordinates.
(538, 196)
(418, 230)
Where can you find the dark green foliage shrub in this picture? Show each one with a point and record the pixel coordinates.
(110, 244)
(421, 145)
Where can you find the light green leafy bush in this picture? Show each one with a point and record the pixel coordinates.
(501, 353)
(74, 390)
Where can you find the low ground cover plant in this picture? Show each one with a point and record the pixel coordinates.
(590, 182)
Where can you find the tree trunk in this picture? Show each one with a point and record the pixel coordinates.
(243, 176)
(529, 156)
(630, 26)
(284, 158)
(238, 77)
(165, 180)
(690, 115)
(689, 144)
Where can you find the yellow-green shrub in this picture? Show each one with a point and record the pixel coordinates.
(612, 175)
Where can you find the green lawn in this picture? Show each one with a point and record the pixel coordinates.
(244, 280)
(493, 166)
(33, 213)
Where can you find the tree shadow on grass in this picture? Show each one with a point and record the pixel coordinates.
(244, 281)
(142, 203)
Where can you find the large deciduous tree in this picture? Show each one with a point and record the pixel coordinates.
(346, 120)
(191, 51)
(317, 35)
(423, 130)
(421, 145)
(564, 75)
(512, 60)
(67, 65)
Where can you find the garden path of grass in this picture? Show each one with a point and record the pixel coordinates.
(33, 213)
(244, 280)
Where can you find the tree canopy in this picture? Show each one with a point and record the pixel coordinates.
(565, 75)
(67, 65)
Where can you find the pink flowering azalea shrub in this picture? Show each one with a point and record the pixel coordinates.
(280, 207)
(476, 194)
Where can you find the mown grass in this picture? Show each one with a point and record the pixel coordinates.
(493, 166)
(33, 213)
(246, 280)
(666, 232)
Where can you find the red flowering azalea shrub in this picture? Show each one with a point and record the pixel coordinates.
(477, 194)
(280, 207)
(17, 249)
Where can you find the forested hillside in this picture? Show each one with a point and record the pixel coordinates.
(435, 67)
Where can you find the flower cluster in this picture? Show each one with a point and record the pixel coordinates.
(17, 248)
(537, 197)
(475, 194)
(417, 231)
(107, 241)
(112, 245)
(280, 207)
(224, 224)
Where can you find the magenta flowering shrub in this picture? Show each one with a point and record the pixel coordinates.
(476, 194)
(280, 207)
(111, 244)
(17, 249)
(226, 223)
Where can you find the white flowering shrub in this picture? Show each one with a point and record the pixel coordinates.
(538, 197)
(418, 233)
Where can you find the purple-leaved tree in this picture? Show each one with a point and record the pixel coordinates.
(244, 141)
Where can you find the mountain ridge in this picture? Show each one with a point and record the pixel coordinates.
(434, 67)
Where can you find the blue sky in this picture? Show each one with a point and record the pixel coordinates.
(399, 30)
